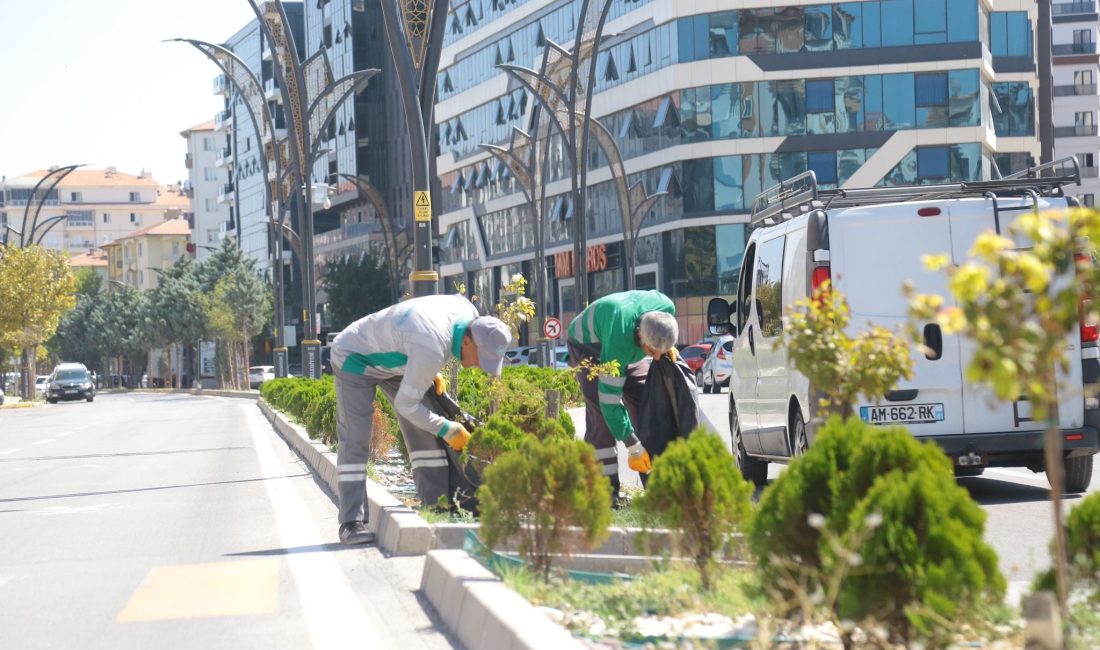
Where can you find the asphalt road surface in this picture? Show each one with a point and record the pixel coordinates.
(175, 521)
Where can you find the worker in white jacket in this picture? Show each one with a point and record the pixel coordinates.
(401, 349)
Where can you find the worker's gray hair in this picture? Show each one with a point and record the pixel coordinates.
(658, 330)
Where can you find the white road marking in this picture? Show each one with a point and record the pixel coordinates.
(332, 611)
(42, 442)
(69, 510)
(10, 451)
(1018, 474)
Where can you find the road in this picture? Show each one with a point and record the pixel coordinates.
(1018, 525)
(175, 521)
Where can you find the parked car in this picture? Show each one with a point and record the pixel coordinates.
(716, 368)
(1, 396)
(520, 356)
(41, 385)
(70, 381)
(694, 356)
(259, 374)
(867, 243)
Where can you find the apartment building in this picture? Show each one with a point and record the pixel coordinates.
(206, 182)
(1074, 71)
(88, 208)
(94, 261)
(134, 259)
(712, 106)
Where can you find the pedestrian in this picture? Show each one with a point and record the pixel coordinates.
(401, 350)
(630, 327)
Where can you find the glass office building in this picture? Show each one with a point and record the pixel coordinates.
(712, 108)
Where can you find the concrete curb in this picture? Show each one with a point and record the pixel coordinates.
(399, 529)
(482, 611)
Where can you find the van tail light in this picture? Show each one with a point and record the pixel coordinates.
(821, 275)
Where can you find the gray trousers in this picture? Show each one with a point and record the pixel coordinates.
(596, 431)
(354, 430)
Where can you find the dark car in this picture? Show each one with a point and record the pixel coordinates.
(70, 381)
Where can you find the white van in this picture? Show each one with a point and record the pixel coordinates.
(868, 243)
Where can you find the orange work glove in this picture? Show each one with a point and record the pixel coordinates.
(457, 436)
(638, 458)
(440, 384)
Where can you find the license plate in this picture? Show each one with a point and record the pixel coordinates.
(902, 414)
(71, 391)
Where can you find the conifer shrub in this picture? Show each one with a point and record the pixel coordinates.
(872, 522)
(540, 490)
(695, 488)
(1082, 550)
(520, 395)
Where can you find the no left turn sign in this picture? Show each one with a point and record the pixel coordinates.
(552, 328)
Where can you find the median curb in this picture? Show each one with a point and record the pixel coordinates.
(399, 529)
(482, 611)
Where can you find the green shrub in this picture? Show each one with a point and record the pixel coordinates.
(537, 492)
(695, 487)
(1082, 549)
(320, 417)
(874, 520)
(520, 395)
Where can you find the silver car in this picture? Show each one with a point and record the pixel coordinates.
(718, 366)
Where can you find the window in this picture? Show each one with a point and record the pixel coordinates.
(1088, 200)
(209, 174)
(135, 197)
(931, 96)
(823, 164)
(930, 24)
(210, 205)
(208, 144)
(211, 235)
(1010, 33)
(106, 218)
(768, 287)
(133, 217)
(175, 249)
(75, 197)
(80, 218)
(933, 163)
(1084, 83)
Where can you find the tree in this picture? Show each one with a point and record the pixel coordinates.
(356, 288)
(71, 341)
(36, 288)
(1020, 305)
(117, 326)
(176, 315)
(236, 304)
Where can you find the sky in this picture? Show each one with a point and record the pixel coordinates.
(91, 82)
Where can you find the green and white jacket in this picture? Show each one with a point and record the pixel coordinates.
(411, 340)
(611, 322)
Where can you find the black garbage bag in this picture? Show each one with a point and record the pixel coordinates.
(670, 406)
(463, 478)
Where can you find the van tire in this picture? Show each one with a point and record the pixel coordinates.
(699, 378)
(800, 441)
(751, 469)
(1078, 473)
(715, 386)
(707, 388)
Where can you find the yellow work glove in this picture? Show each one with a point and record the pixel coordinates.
(457, 436)
(440, 384)
(673, 355)
(638, 458)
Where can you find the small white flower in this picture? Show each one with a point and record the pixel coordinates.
(816, 520)
(855, 559)
(874, 520)
(518, 277)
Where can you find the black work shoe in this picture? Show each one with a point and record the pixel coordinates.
(355, 532)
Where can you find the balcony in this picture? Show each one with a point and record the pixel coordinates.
(225, 157)
(1080, 131)
(188, 161)
(1075, 7)
(1075, 90)
(225, 193)
(271, 90)
(1069, 49)
(223, 120)
(221, 85)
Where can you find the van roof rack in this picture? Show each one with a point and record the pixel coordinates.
(800, 194)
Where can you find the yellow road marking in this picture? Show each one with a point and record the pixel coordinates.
(203, 590)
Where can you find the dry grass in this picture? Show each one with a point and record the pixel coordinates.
(382, 438)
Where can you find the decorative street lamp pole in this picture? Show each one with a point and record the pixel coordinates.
(414, 31)
(311, 97)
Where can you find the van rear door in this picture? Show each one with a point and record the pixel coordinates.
(874, 251)
(983, 412)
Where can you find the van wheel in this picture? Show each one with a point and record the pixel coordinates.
(1078, 473)
(799, 441)
(699, 378)
(752, 469)
(714, 382)
(707, 387)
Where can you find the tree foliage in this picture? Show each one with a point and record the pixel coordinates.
(356, 287)
(36, 288)
(840, 365)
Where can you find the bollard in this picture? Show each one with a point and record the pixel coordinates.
(553, 403)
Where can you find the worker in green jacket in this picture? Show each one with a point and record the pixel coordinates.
(629, 327)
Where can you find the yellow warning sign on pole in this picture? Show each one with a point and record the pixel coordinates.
(422, 206)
